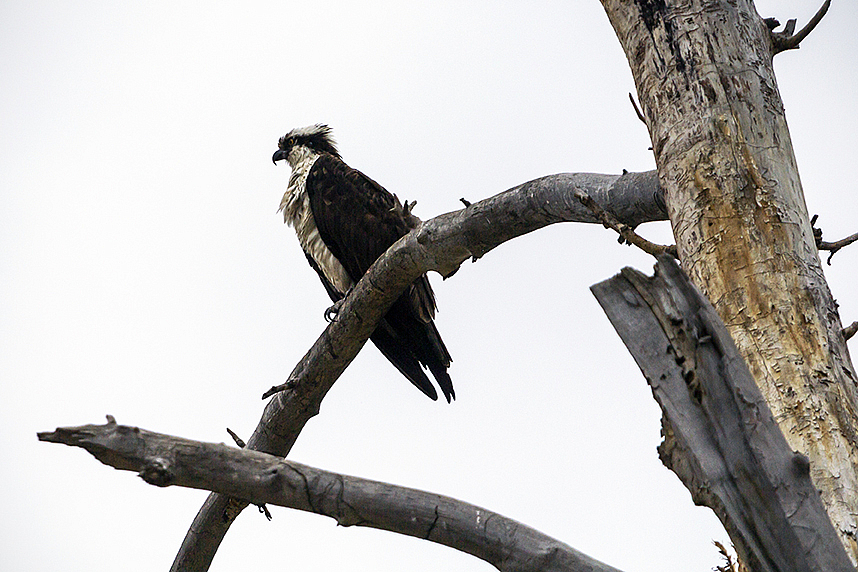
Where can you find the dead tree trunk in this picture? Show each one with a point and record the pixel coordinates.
(707, 89)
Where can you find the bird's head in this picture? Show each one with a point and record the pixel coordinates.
(316, 138)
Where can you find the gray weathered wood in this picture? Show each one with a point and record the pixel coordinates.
(164, 460)
(721, 439)
(440, 244)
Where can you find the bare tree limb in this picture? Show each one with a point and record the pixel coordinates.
(833, 247)
(782, 41)
(721, 438)
(440, 244)
(261, 479)
(850, 330)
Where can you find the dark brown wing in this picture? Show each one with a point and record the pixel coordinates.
(356, 217)
(359, 220)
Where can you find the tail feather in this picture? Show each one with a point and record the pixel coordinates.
(421, 341)
(438, 361)
(405, 362)
(444, 381)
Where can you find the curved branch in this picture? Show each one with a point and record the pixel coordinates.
(440, 244)
(786, 40)
(637, 109)
(833, 247)
(163, 460)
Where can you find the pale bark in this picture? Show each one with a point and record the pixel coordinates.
(440, 244)
(704, 77)
(163, 460)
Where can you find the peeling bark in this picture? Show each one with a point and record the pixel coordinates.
(707, 89)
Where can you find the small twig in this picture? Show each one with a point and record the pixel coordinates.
(241, 445)
(275, 389)
(238, 440)
(850, 330)
(817, 232)
(627, 233)
(786, 40)
(771, 23)
(289, 384)
(637, 110)
(465, 202)
(264, 510)
(832, 247)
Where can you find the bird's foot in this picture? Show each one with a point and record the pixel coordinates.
(332, 312)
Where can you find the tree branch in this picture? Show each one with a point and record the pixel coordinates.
(637, 110)
(833, 247)
(261, 479)
(850, 330)
(627, 233)
(720, 436)
(782, 41)
(440, 244)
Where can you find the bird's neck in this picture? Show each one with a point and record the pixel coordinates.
(300, 156)
(294, 201)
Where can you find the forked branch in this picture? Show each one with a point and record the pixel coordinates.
(831, 247)
(786, 40)
(440, 244)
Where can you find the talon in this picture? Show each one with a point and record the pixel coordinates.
(332, 312)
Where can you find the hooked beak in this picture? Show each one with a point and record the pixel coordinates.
(279, 155)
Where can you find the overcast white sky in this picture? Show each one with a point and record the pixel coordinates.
(145, 272)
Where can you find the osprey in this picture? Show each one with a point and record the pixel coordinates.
(344, 221)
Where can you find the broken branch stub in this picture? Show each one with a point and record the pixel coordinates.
(720, 436)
